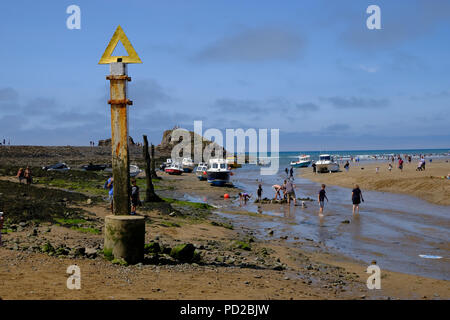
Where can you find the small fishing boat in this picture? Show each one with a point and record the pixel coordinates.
(175, 168)
(200, 172)
(232, 162)
(134, 170)
(188, 165)
(166, 164)
(326, 163)
(302, 162)
(57, 167)
(218, 172)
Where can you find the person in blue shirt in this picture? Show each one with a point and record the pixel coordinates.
(110, 186)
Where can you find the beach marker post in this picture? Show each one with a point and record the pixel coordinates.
(124, 234)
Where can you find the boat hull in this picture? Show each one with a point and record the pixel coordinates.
(300, 164)
(331, 167)
(187, 169)
(218, 178)
(174, 171)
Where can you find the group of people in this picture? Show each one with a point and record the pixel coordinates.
(134, 194)
(288, 191)
(25, 175)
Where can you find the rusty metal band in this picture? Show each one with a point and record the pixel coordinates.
(123, 101)
(118, 77)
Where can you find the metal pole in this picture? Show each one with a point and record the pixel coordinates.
(119, 137)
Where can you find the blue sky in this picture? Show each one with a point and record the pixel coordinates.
(310, 68)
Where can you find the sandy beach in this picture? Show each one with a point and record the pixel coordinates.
(428, 185)
(235, 263)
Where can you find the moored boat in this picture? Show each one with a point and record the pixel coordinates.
(302, 162)
(218, 172)
(188, 165)
(134, 170)
(175, 168)
(326, 163)
(201, 171)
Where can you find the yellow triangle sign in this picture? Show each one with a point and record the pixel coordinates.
(119, 35)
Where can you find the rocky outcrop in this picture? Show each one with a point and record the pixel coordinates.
(164, 149)
(107, 142)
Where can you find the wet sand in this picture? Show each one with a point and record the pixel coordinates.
(428, 185)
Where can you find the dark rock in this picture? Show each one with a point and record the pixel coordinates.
(183, 252)
(152, 247)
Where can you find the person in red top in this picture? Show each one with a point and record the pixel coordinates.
(400, 164)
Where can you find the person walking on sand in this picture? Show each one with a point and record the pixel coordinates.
(400, 164)
(291, 173)
(346, 166)
(110, 186)
(390, 167)
(321, 199)
(259, 193)
(290, 192)
(20, 175)
(314, 167)
(356, 198)
(28, 176)
(278, 190)
(287, 172)
(134, 194)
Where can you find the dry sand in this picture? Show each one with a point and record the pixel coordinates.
(427, 185)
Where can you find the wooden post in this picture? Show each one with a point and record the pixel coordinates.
(150, 195)
(154, 175)
(119, 137)
(124, 234)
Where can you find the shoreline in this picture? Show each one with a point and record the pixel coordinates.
(428, 185)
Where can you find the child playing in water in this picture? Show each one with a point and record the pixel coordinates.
(321, 199)
(259, 193)
(244, 196)
(356, 199)
(277, 189)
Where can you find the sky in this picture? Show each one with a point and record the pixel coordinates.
(311, 69)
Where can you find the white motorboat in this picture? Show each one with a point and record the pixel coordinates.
(134, 170)
(188, 165)
(174, 169)
(218, 172)
(326, 163)
(302, 162)
(201, 171)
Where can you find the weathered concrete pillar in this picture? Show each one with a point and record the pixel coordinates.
(125, 237)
